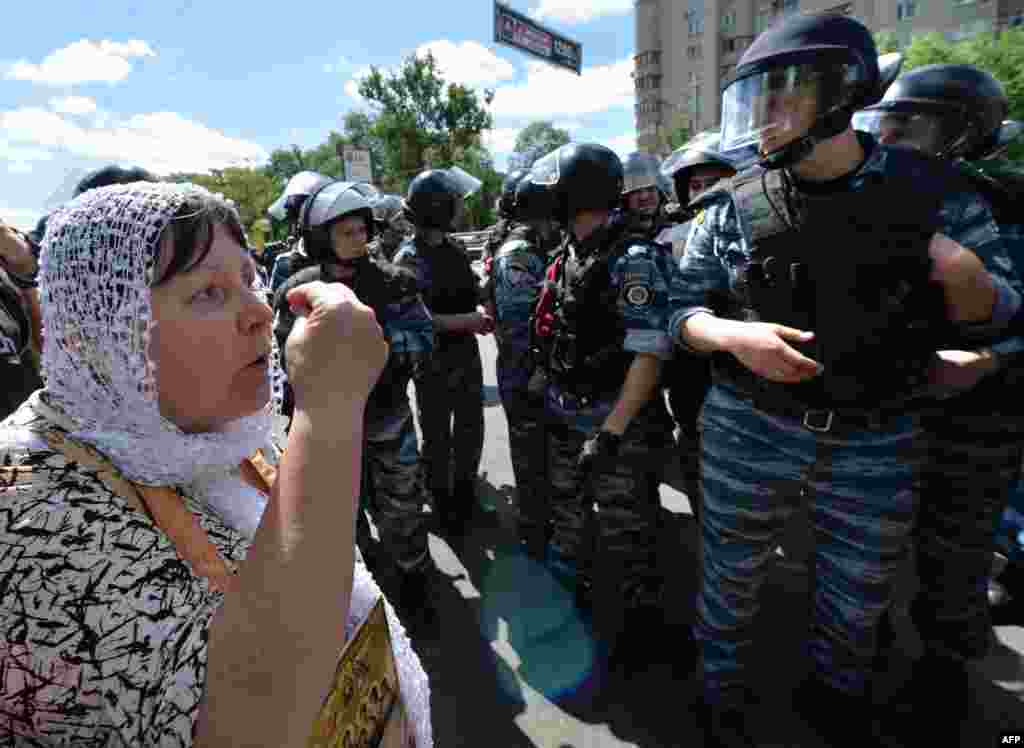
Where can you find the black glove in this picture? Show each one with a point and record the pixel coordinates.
(603, 444)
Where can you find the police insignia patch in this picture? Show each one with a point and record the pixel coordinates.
(517, 276)
(699, 218)
(638, 294)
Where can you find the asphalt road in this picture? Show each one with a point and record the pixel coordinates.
(508, 658)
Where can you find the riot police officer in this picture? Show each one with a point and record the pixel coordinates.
(452, 384)
(956, 112)
(801, 277)
(695, 167)
(506, 217)
(600, 326)
(335, 223)
(645, 193)
(517, 275)
(392, 226)
(287, 208)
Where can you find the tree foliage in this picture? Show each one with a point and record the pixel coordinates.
(1001, 54)
(252, 190)
(420, 120)
(535, 140)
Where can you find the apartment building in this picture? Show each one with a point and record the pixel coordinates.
(686, 48)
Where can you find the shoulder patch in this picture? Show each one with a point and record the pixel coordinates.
(699, 218)
(637, 294)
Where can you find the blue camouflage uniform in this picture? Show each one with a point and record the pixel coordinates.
(975, 448)
(857, 477)
(451, 386)
(517, 274)
(619, 553)
(393, 486)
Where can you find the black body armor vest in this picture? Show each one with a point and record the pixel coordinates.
(454, 286)
(852, 267)
(586, 355)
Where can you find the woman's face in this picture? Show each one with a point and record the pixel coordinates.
(212, 339)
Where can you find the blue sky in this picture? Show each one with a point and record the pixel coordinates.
(188, 85)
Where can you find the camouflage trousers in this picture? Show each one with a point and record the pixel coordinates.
(605, 528)
(858, 486)
(449, 397)
(972, 465)
(527, 445)
(393, 492)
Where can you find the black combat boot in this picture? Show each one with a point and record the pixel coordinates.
(726, 725)
(841, 720)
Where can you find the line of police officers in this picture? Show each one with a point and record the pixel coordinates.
(836, 325)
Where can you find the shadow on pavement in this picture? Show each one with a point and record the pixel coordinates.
(511, 660)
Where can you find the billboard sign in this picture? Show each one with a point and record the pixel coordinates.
(357, 165)
(516, 30)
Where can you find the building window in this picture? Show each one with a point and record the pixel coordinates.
(1014, 21)
(728, 45)
(841, 10)
(906, 9)
(761, 21)
(728, 21)
(789, 6)
(695, 21)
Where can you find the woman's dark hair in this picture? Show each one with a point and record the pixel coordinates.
(114, 174)
(191, 231)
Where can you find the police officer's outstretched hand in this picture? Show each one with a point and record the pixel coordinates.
(764, 348)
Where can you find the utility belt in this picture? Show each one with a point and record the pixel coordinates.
(816, 415)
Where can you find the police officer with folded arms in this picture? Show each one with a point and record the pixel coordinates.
(821, 282)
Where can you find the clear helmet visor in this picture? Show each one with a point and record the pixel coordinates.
(770, 109)
(924, 131)
(545, 170)
(465, 184)
(303, 183)
(642, 171)
(704, 142)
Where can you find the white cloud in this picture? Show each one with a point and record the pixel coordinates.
(550, 92)
(574, 11)
(468, 63)
(21, 218)
(84, 61)
(163, 142)
(501, 140)
(73, 105)
(622, 144)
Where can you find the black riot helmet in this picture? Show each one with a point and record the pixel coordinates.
(507, 201)
(114, 174)
(949, 111)
(703, 150)
(434, 195)
(799, 83)
(581, 176)
(534, 202)
(329, 204)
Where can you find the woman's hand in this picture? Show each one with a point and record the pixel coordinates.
(336, 350)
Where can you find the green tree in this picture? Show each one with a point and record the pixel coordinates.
(252, 190)
(887, 41)
(535, 140)
(421, 120)
(1001, 54)
(478, 161)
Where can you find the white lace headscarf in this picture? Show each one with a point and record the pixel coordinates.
(99, 259)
